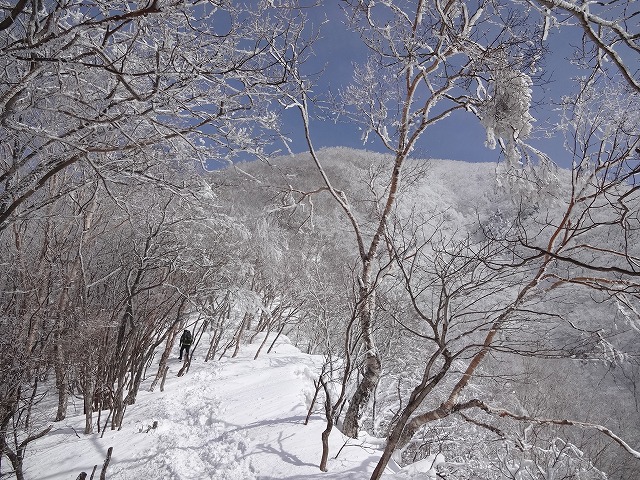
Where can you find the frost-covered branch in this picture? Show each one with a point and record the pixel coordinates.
(550, 421)
(606, 34)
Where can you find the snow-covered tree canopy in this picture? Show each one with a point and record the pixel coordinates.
(112, 87)
(504, 113)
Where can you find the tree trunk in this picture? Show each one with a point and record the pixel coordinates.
(402, 433)
(246, 319)
(277, 336)
(34, 392)
(89, 391)
(215, 342)
(118, 408)
(223, 319)
(312, 404)
(373, 367)
(137, 371)
(61, 380)
(14, 458)
(121, 361)
(328, 410)
(362, 395)
(165, 357)
(118, 416)
(262, 344)
(164, 378)
(103, 473)
(185, 366)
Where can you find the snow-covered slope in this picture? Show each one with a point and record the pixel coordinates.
(237, 419)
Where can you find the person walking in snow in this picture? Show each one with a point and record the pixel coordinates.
(185, 342)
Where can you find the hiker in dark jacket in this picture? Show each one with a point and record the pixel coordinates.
(185, 342)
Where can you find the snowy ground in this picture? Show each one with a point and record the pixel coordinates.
(236, 419)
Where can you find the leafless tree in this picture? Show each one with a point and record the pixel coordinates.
(423, 59)
(585, 236)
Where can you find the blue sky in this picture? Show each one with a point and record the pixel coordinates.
(460, 137)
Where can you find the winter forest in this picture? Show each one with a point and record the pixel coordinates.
(159, 171)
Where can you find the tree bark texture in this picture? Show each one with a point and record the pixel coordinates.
(372, 367)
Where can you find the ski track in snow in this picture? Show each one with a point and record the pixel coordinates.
(235, 419)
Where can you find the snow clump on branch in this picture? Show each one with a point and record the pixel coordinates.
(504, 113)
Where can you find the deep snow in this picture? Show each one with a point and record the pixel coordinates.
(234, 419)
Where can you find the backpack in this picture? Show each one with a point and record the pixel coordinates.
(186, 338)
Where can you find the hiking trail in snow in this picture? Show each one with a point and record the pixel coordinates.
(234, 419)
